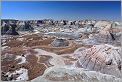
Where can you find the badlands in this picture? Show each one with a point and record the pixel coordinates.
(61, 51)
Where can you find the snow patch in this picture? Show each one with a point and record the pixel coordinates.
(20, 39)
(4, 47)
(23, 74)
(23, 59)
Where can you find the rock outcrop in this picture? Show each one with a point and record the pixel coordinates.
(67, 35)
(68, 74)
(5, 28)
(103, 58)
(25, 26)
(60, 43)
(61, 50)
(12, 30)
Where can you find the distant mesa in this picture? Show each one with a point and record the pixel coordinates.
(12, 30)
(9, 28)
(25, 26)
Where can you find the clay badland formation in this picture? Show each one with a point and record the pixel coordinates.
(49, 50)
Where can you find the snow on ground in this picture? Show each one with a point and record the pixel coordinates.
(3, 47)
(36, 31)
(23, 74)
(3, 43)
(20, 39)
(23, 59)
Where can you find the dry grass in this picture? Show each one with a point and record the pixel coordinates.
(40, 43)
(33, 37)
(34, 69)
(8, 66)
(35, 65)
(29, 41)
(63, 50)
(15, 51)
(14, 43)
(60, 50)
(44, 59)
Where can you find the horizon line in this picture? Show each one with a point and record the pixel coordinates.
(59, 19)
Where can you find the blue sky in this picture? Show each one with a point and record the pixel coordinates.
(73, 10)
